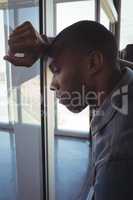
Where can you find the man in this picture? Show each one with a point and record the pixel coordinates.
(83, 59)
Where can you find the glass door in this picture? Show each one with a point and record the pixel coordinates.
(28, 111)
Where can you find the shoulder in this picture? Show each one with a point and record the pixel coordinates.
(122, 130)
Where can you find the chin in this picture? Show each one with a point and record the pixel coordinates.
(75, 109)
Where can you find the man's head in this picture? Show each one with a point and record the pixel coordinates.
(81, 54)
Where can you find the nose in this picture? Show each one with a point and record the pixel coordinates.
(52, 88)
(54, 85)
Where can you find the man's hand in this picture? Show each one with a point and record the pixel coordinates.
(25, 39)
(28, 60)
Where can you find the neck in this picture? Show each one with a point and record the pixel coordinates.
(106, 84)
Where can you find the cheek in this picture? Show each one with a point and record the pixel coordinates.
(70, 80)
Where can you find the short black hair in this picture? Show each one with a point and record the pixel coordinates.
(88, 35)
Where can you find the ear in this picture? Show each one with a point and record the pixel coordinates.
(95, 62)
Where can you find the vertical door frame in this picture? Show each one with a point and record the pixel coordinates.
(47, 105)
(42, 23)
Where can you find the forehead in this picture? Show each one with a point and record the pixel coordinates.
(57, 52)
(61, 47)
(62, 52)
(60, 55)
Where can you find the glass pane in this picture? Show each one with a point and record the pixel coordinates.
(78, 10)
(104, 19)
(3, 78)
(7, 167)
(72, 122)
(126, 33)
(30, 101)
(25, 107)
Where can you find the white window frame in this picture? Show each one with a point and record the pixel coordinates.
(109, 8)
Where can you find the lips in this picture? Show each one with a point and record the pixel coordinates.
(63, 98)
(64, 102)
(58, 96)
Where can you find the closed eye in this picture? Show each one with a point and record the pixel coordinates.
(54, 69)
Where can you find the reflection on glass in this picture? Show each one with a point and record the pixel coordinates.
(126, 33)
(30, 98)
(104, 19)
(78, 10)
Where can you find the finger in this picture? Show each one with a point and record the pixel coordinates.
(17, 61)
(21, 36)
(20, 29)
(20, 47)
(23, 25)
